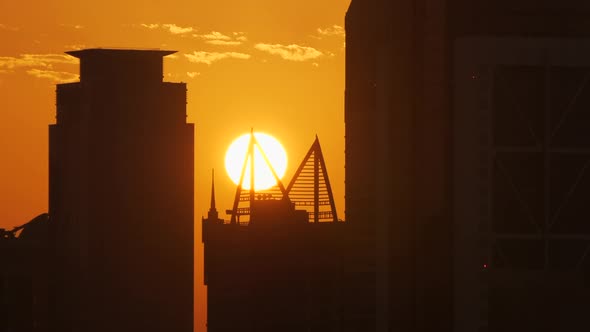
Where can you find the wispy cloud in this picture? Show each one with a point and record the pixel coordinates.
(291, 52)
(241, 36)
(56, 76)
(175, 29)
(210, 57)
(334, 30)
(36, 60)
(224, 42)
(72, 26)
(215, 35)
(151, 26)
(169, 27)
(218, 38)
(75, 47)
(8, 27)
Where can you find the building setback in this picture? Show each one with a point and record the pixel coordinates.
(121, 197)
(466, 163)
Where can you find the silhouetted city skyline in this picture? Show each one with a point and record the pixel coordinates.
(466, 182)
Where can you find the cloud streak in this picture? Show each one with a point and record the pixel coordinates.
(36, 60)
(218, 38)
(8, 28)
(177, 30)
(224, 42)
(40, 66)
(150, 26)
(212, 38)
(55, 76)
(291, 52)
(75, 47)
(215, 35)
(169, 27)
(72, 26)
(334, 30)
(211, 57)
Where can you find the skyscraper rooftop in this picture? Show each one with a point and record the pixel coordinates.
(108, 64)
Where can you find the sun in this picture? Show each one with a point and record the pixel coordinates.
(263, 177)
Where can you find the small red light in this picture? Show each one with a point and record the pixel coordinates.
(485, 266)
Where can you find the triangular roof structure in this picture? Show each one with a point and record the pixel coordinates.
(249, 196)
(310, 187)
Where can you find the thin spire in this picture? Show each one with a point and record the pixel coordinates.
(213, 190)
(213, 215)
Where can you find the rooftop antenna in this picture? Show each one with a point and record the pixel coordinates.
(213, 215)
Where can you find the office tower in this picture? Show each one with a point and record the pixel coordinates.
(121, 197)
(466, 160)
(280, 270)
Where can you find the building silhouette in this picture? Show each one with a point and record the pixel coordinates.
(466, 164)
(467, 156)
(280, 270)
(121, 197)
(24, 253)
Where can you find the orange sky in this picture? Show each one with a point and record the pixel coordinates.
(277, 66)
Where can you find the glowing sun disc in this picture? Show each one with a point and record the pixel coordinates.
(263, 178)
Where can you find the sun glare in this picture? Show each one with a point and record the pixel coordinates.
(263, 178)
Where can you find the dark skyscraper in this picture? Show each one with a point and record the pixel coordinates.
(121, 197)
(467, 155)
(280, 270)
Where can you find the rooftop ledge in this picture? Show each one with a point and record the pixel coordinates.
(119, 51)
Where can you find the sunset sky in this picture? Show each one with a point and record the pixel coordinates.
(277, 66)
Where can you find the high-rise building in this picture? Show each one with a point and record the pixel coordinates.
(121, 197)
(467, 163)
(281, 270)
